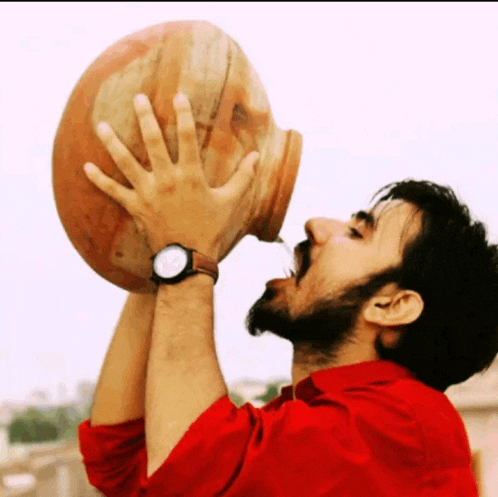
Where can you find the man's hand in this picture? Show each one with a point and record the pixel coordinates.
(173, 203)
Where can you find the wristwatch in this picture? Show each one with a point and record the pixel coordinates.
(175, 262)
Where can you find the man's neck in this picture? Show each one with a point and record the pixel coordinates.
(305, 362)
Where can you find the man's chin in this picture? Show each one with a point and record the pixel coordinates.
(267, 314)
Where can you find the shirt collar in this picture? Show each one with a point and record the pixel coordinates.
(341, 378)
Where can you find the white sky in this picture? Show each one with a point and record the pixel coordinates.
(380, 92)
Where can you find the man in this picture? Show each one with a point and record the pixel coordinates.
(384, 311)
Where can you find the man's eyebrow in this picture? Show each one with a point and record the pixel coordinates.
(365, 216)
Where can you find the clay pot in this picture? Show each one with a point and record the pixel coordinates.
(232, 117)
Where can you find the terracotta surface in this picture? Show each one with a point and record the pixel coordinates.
(232, 117)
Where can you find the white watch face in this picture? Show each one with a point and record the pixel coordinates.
(170, 262)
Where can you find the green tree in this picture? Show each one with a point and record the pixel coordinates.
(63, 422)
(20, 431)
(236, 398)
(67, 419)
(54, 424)
(27, 430)
(32, 413)
(272, 391)
(46, 431)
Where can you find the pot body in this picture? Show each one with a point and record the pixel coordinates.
(232, 116)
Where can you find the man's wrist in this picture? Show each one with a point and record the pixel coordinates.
(175, 262)
(194, 280)
(190, 295)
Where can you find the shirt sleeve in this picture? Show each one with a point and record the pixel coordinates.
(114, 457)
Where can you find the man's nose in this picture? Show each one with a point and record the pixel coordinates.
(319, 229)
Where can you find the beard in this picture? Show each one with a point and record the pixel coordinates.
(323, 328)
(327, 325)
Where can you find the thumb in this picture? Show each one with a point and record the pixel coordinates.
(242, 178)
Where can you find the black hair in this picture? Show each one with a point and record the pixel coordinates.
(455, 270)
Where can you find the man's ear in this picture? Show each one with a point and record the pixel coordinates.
(393, 309)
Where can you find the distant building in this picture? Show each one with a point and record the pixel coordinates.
(62, 393)
(477, 402)
(38, 397)
(13, 407)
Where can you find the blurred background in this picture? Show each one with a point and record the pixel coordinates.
(380, 92)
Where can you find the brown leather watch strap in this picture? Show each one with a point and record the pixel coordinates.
(205, 264)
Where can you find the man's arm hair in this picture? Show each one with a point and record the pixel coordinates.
(120, 392)
(184, 376)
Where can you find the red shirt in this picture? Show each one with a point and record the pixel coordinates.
(369, 429)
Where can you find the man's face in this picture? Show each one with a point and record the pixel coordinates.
(336, 257)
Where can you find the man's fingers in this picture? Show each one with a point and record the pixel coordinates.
(188, 150)
(242, 179)
(151, 134)
(111, 187)
(127, 164)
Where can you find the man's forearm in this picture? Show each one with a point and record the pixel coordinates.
(183, 376)
(120, 392)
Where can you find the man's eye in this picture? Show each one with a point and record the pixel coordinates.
(355, 233)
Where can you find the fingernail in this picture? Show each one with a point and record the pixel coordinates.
(181, 98)
(141, 99)
(103, 127)
(89, 167)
